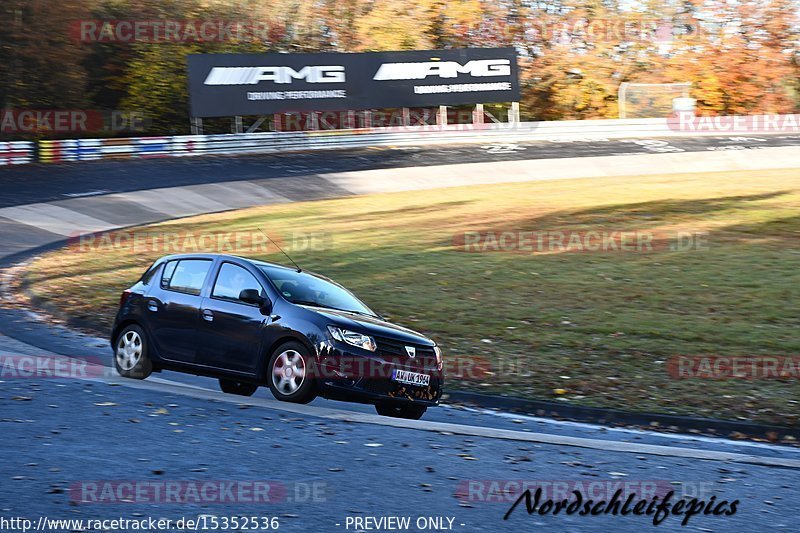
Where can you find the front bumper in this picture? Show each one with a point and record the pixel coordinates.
(347, 375)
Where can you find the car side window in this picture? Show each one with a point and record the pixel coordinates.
(232, 280)
(188, 276)
(167, 275)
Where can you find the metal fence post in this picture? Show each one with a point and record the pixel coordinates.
(513, 117)
(477, 115)
(196, 124)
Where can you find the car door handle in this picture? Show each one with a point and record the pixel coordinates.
(208, 315)
(152, 305)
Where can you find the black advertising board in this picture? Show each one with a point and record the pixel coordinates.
(259, 84)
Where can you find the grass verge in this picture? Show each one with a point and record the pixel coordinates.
(592, 327)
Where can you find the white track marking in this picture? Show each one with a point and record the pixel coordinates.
(85, 194)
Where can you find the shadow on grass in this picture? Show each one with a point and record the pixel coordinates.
(402, 211)
(643, 216)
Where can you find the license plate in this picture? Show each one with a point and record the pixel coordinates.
(411, 378)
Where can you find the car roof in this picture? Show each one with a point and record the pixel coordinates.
(202, 255)
(254, 262)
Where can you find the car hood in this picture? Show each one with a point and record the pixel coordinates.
(372, 326)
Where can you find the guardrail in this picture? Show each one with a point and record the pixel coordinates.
(16, 152)
(272, 142)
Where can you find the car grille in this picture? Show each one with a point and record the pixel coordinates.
(395, 351)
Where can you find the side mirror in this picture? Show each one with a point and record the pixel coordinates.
(252, 296)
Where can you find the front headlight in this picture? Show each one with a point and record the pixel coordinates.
(438, 352)
(351, 337)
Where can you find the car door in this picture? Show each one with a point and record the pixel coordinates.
(173, 308)
(231, 331)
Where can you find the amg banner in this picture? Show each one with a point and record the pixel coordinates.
(259, 84)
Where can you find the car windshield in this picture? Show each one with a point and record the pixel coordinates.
(305, 289)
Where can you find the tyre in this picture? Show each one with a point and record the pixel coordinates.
(231, 386)
(410, 411)
(131, 353)
(290, 373)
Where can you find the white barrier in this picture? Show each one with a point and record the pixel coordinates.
(16, 152)
(273, 142)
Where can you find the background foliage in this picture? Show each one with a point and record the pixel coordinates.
(741, 57)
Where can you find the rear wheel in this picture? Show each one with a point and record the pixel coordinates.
(291, 375)
(410, 411)
(231, 386)
(130, 353)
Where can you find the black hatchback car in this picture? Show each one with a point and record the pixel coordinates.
(251, 323)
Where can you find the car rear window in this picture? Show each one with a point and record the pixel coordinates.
(186, 275)
(167, 275)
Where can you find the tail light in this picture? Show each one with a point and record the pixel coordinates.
(124, 297)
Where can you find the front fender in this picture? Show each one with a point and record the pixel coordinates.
(305, 332)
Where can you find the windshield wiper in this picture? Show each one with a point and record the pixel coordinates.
(362, 313)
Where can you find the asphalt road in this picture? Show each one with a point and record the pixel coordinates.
(70, 444)
(27, 184)
(72, 448)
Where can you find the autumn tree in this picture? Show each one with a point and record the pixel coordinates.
(42, 62)
(740, 57)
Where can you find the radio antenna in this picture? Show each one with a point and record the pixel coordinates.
(279, 248)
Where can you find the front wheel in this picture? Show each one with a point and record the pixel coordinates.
(291, 373)
(231, 386)
(130, 353)
(410, 411)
